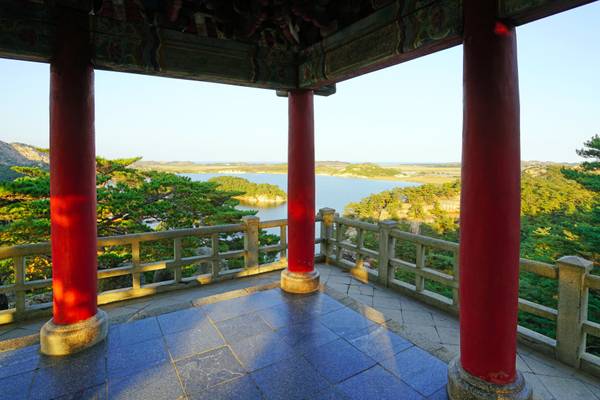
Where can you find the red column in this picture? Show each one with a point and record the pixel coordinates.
(490, 198)
(301, 182)
(72, 176)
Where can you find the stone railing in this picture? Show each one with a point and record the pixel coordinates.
(135, 267)
(345, 243)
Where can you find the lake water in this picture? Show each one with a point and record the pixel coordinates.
(331, 191)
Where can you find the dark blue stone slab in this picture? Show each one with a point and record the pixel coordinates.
(18, 361)
(242, 388)
(290, 379)
(307, 335)
(338, 360)
(245, 326)
(16, 387)
(378, 342)
(157, 383)
(441, 394)
(189, 318)
(59, 376)
(284, 314)
(378, 384)
(203, 371)
(202, 338)
(134, 332)
(259, 351)
(99, 392)
(330, 393)
(126, 360)
(345, 321)
(419, 369)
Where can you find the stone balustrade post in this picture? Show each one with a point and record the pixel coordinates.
(327, 215)
(386, 249)
(572, 309)
(251, 242)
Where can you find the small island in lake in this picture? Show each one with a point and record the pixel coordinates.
(251, 193)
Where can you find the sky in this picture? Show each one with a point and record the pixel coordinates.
(411, 112)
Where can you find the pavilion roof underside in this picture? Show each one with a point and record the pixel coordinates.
(276, 44)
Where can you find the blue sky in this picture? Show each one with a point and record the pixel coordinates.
(411, 112)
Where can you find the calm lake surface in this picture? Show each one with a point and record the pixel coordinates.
(332, 191)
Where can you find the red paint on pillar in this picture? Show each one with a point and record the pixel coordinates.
(490, 197)
(301, 182)
(72, 176)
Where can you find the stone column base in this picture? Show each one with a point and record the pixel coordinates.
(293, 282)
(61, 340)
(464, 386)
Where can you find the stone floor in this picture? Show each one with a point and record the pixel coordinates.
(245, 340)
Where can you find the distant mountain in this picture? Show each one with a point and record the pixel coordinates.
(21, 155)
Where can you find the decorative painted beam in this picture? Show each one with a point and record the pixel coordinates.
(519, 12)
(396, 33)
(27, 32)
(402, 31)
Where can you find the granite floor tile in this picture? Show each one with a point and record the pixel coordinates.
(18, 361)
(422, 318)
(64, 375)
(378, 342)
(338, 360)
(285, 314)
(331, 393)
(245, 326)
(441, 394)
(201, 338)
(229, 309)
(566, 388)
(345, 321)
(419, 369)
(387, 302)
(539, 390)
(449, 335)
(203, 371)
(318, 304)
(262, 350)
(377, 383)
(16, 387)
(157, 383)
(306, 335)
(99, 392)
(126, 360)
(545, 366)
(243, 388)
(134, 332)
(177, 321)
(290, 379)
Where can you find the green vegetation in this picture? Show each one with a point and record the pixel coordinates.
(368, 170)
(250, 192)
(129, 201)
(560, 215)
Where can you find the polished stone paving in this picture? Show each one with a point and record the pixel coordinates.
(264, 345)
(336, 353)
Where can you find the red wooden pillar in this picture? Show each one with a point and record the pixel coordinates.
(72, 194)
(300, 275)
(489, 210)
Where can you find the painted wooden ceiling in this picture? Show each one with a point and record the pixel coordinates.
(275, 44)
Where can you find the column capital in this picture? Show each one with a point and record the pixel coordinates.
(250, 220)
(575, 262)
(387, 224)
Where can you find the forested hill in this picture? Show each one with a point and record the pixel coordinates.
(20, 155)
(250, 192)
